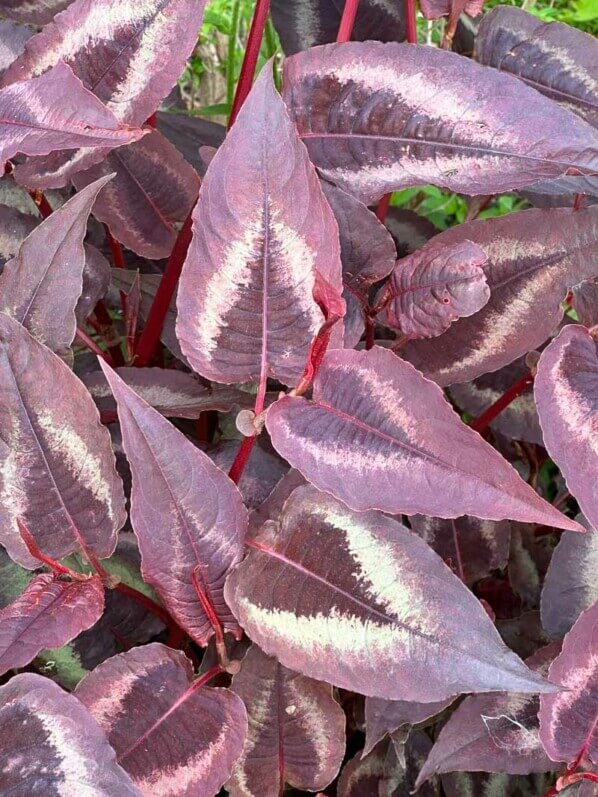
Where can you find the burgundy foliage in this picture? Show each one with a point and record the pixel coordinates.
(298, 478)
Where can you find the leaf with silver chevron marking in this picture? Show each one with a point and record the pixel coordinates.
(48, 614)
(154, 188)
(51, 745)
(378, 117)
(248, 295)
(553, 58)
(129, 54)
(357, 600)
(55, 111)
(296, 730)
(172, 393)
(434, 287)
(12, 41)
(368, 254)
(569, 719)
(471, 547)
(41, 286)
(478, 784)
(378, 435)
(188, 516)
(518, 421)
(384, 717)
(533, 258)
(493, 733)
(38, 12)
(570, 585)
(566, 393)
(434, 9)
(301, 24)
(57, 468)
(174, 738)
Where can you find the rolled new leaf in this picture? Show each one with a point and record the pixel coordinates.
(55, 111)
(296, 730)
(566, 393)
(569, 719)
(175, 739)
(57, 468)
(187, 514)
(378, 435)
(48, 614)
(358, 601)
(155, 38)
(42, 285)
(51, 744)
(555, 59)
(434, 287)
(534, 257)
(378, 117)
(252, 287)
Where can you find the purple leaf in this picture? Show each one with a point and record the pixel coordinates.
(361, 776)
(52, 745)
(474, 784)
(518, 421)
(154, 189)
(248, 294)
(384, 717)
(569, 719)
(470, 546)
(528, 282)
(56, 464)
(261, 474)
(53, 112)
(359, 601)
(175, 394)
(434, 287)
(585, 302)
(271, 508)
(566, 393)
(410, 231)
(48, 614)
(12, 41)
(524, 634)
(189, 133)
(174, 738)
(129, 55)
(378, 435)
(368, 255)
(14, 228)
(38, 12)
(188, 516)
(304, 23)
(434, 9)
(378, 117)
(570, 585)
(553, 58)
(96, 281)
(41, 286)
(493, 733)
(296, 730)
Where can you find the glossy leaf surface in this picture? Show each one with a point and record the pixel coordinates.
(173, 738)
(555, 59)
(296, 730)
(566, 392)
(374, 120)
(569, 719)
(384, 717)
(377, 435)
(434, 287)
(533, 258)
(56, 464)
(48, 614)
(188, 516)
(41, 286)
(338, 596)
(256, 268)
(51, 745)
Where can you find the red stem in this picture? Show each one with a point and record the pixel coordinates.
(382, 208)
(93, 346)
(201, 591)
(482, 421)
(56, 567)
(155, 319)
(44, 207)
(207, 676)
(411, 21)
(151, 605)
(252, 51)
(103, 316)
(152, 120)
(243, 454)
(347, 21)
(370, 332)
